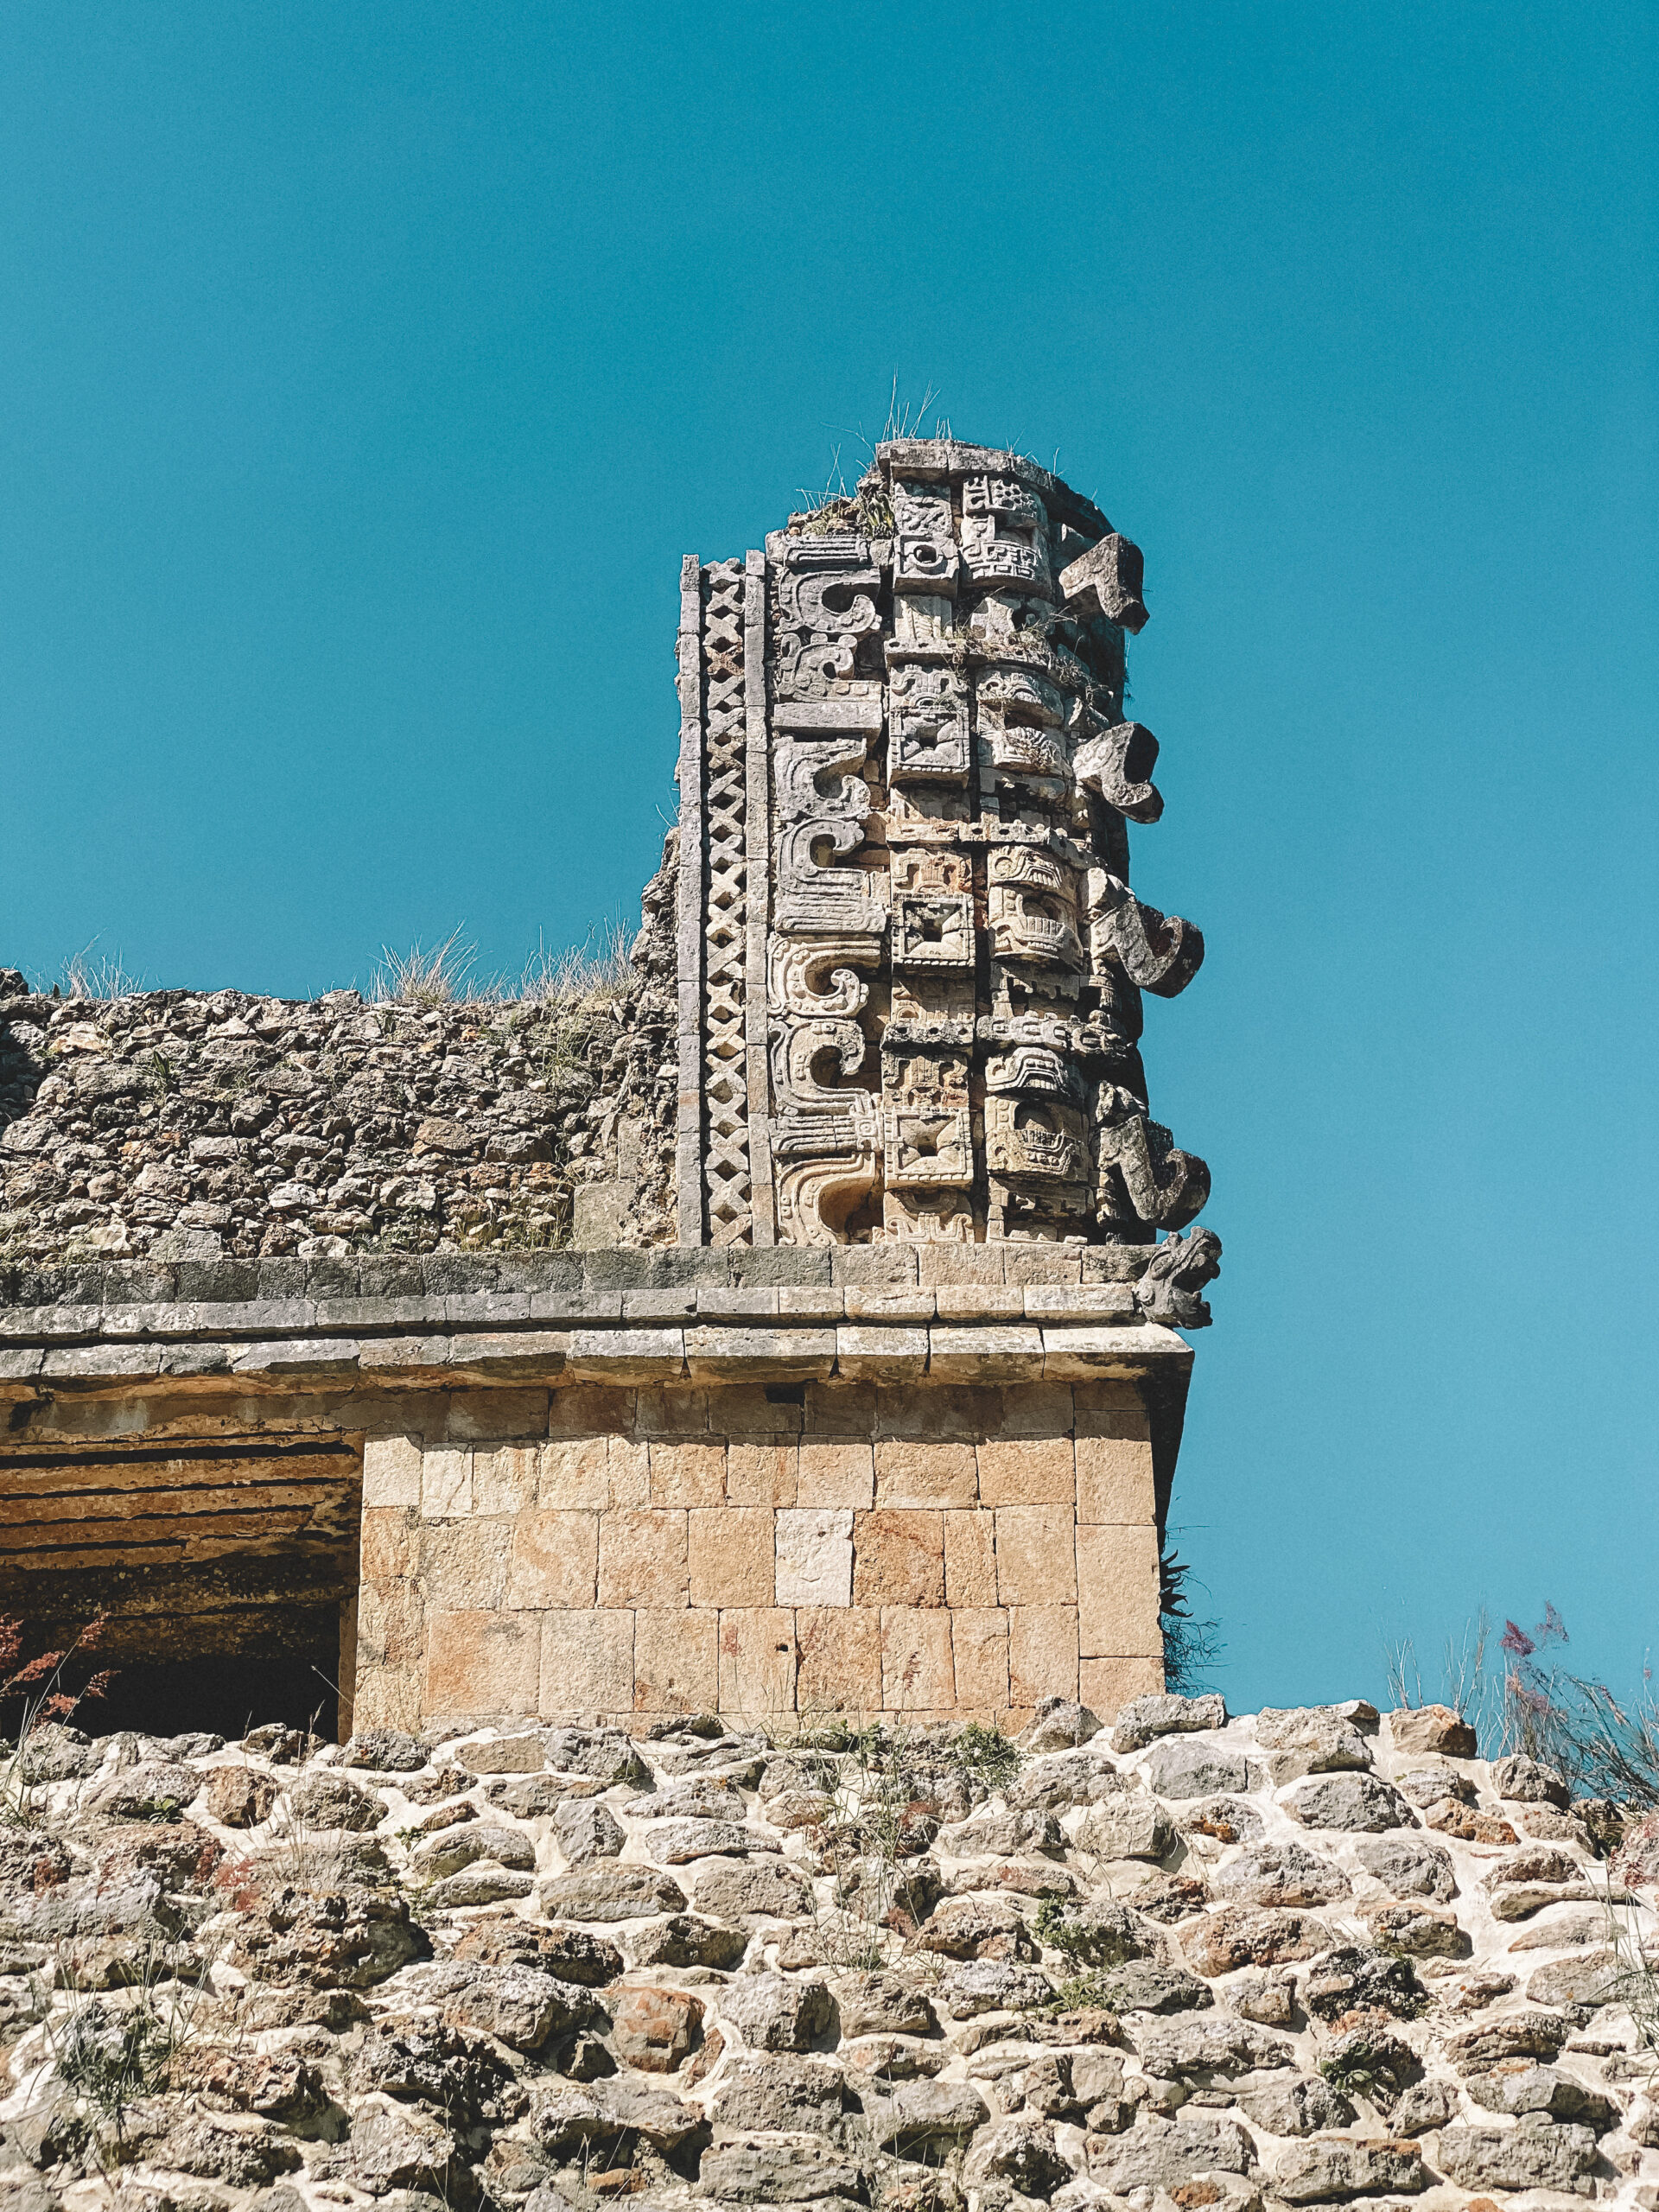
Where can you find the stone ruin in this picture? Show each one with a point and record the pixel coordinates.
(779, 1323)
(910, 966)
(647, 1427)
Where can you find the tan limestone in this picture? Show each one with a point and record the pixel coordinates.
(586, 1663)
(970, 1559)
(392, 1471)
(1104, 1685)
(688, 1474)
(1117, 1592)
(505, 1478)
(642, 1558)
(897, 1558)
(1026, 1470)
(482, 1663)
(1042, 1653)
(554, 1560)
(840, 1660)
(757, 1661)
(909, 1472)
(389, 1547)
(1036, 1555)
(446, 1482)
(463, 1564)
(813, 1564)
(1114, 1477)
(979, 1639)
(676, 1663)
(835, 1471)
(917, 1670)
(731, 1555)
(575, 1473)
(762, 1473)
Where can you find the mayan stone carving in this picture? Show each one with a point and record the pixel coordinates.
(911, 964)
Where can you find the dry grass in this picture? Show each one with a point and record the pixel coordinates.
(85, 975)
(446, 975)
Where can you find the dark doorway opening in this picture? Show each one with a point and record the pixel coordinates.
(220, 1571)
(294, 1681)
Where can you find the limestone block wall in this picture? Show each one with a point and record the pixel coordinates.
(853, 1549)
(636, 1484)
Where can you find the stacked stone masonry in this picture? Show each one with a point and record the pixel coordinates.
(773, 1324)
(1182, 1963)
(628, 1483)
(868, 1549)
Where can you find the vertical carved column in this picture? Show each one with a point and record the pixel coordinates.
(725, 1044)
(910, 1004)
(687, 919)
(758, 894)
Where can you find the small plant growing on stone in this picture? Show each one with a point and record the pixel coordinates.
(1059, 1927)
(985, 1758)
(38, 1688)
(1083, 1992)
(1191, 1647)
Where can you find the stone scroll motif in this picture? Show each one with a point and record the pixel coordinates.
(943, 1004)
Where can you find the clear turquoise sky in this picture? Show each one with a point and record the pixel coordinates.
(366, 368)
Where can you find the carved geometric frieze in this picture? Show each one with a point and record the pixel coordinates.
(933, 930)
(919, 968)
(1033, 906)
(927, 715)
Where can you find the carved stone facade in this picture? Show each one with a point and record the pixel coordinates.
(910, 963)
(863, 1393)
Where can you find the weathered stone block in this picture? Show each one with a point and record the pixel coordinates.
(897, 1558)
(392, 1471)
(478, 1415)
(642, 1558)
(1117, 1592)
(505, 1478)
(1107, 1685)
(1031, 1409)
(446, 1482)
(684, 1474)
(574, 1473)
(587, 1662)
(814, 1562)
(590, 1409)
(762, 1473)
(628, 1464)
(911, 1472)
(744, 1409)
(1026, 1470)
(979, 1639)
(835, 1472)
(1036, 1555)
(731, 1549)
(463, 1564)
(970, 1559)
(1042, 1653)
(918, 1672)
(554, 1560)
(1115, 1477)
(757, 1661)
(840, 1660)
(390, 1546)
(665, 1413)
(479, 1662)
(676, 1662)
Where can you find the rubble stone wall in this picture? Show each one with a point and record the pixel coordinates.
(184, 1124)
(1185, 1963)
